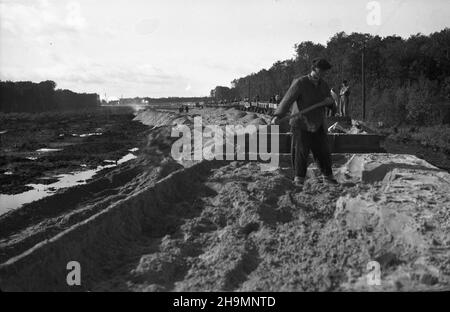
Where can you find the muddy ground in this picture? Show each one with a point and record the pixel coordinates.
(85, 139)
(153, 225)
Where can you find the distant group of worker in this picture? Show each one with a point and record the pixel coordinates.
(183, 108)
(341, 98)
(275, 99)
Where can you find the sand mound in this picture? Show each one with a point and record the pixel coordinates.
(258, 122)
(158, 118)
(231, 227)
(373, 168)
(235, 114)
(249, 117)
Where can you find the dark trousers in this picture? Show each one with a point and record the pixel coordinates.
(302, 143)
(344, 106)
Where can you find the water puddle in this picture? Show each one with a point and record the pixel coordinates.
(48, 150)
(126, 158)
(39, 191)
(85, 135)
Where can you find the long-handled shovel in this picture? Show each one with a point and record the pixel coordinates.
(304, 111)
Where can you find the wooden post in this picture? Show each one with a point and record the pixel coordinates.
(363, 82)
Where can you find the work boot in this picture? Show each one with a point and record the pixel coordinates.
(330, 180)
(298, 181)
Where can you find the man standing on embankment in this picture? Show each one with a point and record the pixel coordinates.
(345, 98)
(309, 130)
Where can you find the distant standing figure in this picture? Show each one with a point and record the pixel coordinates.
(277, 99)
(344, 99)
(332, 111)
(186, 108)
(180, 109)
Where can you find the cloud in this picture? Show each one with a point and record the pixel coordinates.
(91, 72)
(146, 26)
(38, 18)
(117, 79)
(74, 17)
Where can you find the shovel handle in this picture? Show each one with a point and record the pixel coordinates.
(304, 111)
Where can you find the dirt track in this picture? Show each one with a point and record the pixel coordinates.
(231, 226)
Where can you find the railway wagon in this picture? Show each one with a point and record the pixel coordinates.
(258, 107)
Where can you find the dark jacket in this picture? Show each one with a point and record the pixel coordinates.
(305, 93)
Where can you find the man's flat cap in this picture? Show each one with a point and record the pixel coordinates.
(321, 63)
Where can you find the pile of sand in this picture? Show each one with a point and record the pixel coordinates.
(158, 118)
(166, 120)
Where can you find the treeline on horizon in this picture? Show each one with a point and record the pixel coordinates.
(162, 100)
(31, 97)
(407, 80)
(175, 99)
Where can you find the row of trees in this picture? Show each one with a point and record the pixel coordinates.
(223, 93)
(174, 100)
(26, 96)
(407, 80)
(148, 100)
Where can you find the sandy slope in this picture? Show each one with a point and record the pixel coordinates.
(231, 226)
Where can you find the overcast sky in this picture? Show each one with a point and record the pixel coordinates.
(181, 47)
